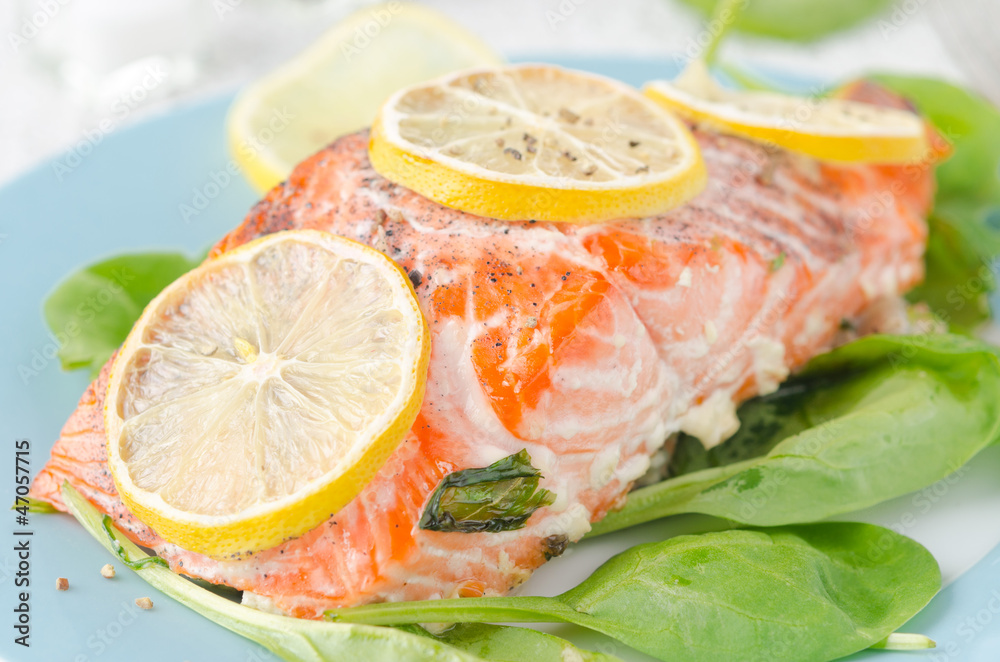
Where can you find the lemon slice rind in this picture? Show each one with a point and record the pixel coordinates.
(829, 129)
(469, 186)
(266, 524)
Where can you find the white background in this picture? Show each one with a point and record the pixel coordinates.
(55, 55)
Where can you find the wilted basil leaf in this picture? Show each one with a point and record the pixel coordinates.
(500, 497)
(764, 422)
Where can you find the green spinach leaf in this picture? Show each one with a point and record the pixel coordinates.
(509, 644)
(959, 272)
(814, 592)
(500, 497)
(965, 225)
(798, 20)
(32, 505)
(894, 415)
(135, 564)
(92, 310)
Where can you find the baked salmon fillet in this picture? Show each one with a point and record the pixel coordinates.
(589, 346)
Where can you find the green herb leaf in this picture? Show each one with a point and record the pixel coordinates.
(798, 20)
(92, 310)
(293, 639)
(892, 416)
(500, 497)
(137, 564)
(509, 644)
(815, 592)
(33, 505)
(965, 226)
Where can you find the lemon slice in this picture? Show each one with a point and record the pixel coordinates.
(536, 142)
(337, 85)
(259, 393)
(827, 129)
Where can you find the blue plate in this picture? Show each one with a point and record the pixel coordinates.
(129, 192)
